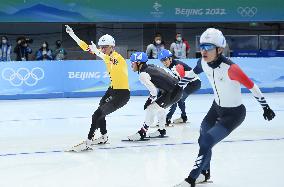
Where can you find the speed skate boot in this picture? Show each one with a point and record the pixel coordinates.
(140, 135)
(182, 119)
(168, 122)
(188, 182)
(204, 176)
(158, 133)
(84, 146)
(100, 140)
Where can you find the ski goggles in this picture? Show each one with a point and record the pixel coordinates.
(104, 46)
(207, 47)
(164, 59)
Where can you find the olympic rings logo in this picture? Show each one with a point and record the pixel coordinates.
(23, 76)
(247, 11)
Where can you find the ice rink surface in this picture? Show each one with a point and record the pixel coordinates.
(34, 133)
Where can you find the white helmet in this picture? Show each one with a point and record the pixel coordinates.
(106, 40)
(213, 36)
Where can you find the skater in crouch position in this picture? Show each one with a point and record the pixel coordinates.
(118, 93)
(179, 68)
(227, 111)
(163, 89)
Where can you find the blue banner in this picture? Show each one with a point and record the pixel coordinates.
(53, 78)
(147, 11)
(71, 78)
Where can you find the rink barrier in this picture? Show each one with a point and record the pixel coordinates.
(138, 146)
(88, 78)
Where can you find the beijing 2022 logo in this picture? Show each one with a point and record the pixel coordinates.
(247, 11)
(23, 76)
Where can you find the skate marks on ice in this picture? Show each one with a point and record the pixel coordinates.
(145, 139)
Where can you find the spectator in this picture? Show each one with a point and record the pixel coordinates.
(22, 49)
(59, 52)
(5, 49)
(187, 47)
(44, 53)
(154, 48)
(178, 47)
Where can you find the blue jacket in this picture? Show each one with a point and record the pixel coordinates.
(5, 52)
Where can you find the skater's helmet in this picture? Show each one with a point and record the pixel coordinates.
(139, 57)
(164, 54)
(106, 40)
(213, 36)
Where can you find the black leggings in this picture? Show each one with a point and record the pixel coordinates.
(217, 125)
(110, 102)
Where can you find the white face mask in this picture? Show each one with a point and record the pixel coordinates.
(4, 41)
(179, 39)
(44, 45)
(158, 42)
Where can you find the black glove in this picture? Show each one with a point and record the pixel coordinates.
(149, 101)
(268, 114)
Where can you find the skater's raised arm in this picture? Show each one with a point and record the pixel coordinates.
(94, 50)
(80, 42)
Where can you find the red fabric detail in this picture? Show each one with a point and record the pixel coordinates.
(235, 73)
(186, 44)
(180, 70)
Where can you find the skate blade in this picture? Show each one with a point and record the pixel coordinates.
(100, 144)
(206, 182)
(181, 123)
(158, 137)
(75, 151)
(173, 125)
(141, 140)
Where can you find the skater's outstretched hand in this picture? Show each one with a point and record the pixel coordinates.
(69, 29)
(268, 113)
(93, 48)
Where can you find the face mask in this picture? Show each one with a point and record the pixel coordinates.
(158, 42)
(179, 39)
(4, 41)
(44, 45)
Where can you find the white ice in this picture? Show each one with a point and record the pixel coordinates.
(30, 126)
